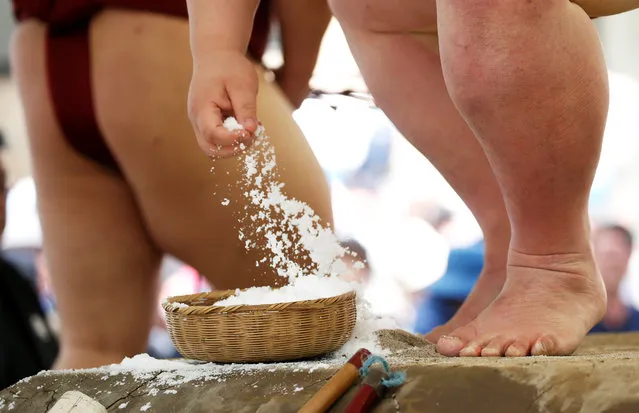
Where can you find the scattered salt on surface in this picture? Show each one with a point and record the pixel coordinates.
(296, 389)
(226, 201)
(167, 373)
(365, 332)
(123, 405)
(146, 407)
(170, 391)
(12, 405)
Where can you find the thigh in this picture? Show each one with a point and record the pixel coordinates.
(179, 196)
(100, 257)
(387, 16)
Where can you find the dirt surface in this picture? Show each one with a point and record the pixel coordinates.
(602, 377)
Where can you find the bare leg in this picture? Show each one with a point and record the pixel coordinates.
(180, 198)
(103, 264)
(104, 256)
(387, 40)
(302, 26)
(530, 80)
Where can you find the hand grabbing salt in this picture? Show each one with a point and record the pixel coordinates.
(231, 124)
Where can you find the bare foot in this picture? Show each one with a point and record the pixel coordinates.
(487, 288)
(547, 306)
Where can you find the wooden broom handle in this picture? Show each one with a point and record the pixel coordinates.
(337, 385)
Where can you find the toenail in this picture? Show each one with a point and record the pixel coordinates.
(539, 349)
(449, 338)
(470, 351)
(490, 352)
(516, 350)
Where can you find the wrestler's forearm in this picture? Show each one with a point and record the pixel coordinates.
(220, 25)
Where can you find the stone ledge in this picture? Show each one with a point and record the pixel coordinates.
(602, 377)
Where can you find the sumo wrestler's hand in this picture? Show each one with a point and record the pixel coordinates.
(223, 85)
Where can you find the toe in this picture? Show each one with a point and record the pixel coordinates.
(434, 335)
(496, 347)
(471, 350)
(450, 345)
(517, 349)
(475, 347)
(543, 346)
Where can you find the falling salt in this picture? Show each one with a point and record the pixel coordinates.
(226, 201)
(146, 407)
(296, 246)
(286, 231)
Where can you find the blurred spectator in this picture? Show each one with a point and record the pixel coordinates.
(375, 169)
(184, 281)
(22, 237)
(45, 292)
(437, 216)
(27, 344)
(407, 255)
(613, 245)
(359, 274)
(444, 297)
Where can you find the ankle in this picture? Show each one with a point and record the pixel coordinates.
(567, 235)
(77, 358)
(497, 241)
(578, 263)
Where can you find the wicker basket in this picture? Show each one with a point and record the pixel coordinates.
(258, 333)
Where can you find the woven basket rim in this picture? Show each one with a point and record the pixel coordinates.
(168, 304)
